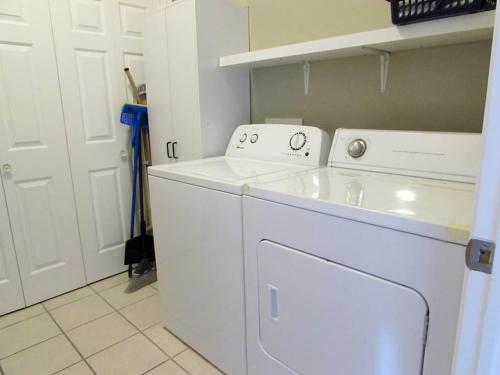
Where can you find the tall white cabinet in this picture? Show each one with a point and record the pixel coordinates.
(193, 104)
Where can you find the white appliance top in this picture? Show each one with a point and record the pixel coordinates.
(356, 189)
(254, 153)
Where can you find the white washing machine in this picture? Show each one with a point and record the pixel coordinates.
(197, 219)
(357, 268)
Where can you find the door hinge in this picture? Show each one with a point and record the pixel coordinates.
(479, 255)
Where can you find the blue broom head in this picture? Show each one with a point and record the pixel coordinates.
(134, 115)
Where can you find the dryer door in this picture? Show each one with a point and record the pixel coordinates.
(318, 317)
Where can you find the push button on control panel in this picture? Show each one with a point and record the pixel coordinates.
(254, 138)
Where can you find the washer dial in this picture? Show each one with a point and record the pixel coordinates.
(254, 138)
(243, 137)
(357, 148)
(297, 141)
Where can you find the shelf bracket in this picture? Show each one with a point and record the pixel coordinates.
(385, 60)
(307, 73)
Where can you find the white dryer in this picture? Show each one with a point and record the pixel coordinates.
(357, 268)
(197, 219)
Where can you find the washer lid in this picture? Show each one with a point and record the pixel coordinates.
(224, 173)
(432, 208)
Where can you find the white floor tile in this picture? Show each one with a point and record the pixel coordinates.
(165, 340)
(155, 285)
(117, 297)
(18, 316)
(26, 333)
(145, 313)
(136, 355)
(168, 368)
(64, 299)
(80, 368)
(110, 282)
(82, 311)
(101, 333)
(45, 358)
(196, 364)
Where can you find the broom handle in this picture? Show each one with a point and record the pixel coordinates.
(135, 92)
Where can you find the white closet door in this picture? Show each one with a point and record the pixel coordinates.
(94, 40)
(34, 155)
(11, 292)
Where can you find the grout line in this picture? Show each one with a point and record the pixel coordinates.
(151, 369)
(61, 370)
(68, 303)
(71, 342)
(109, 346)
(22, 320)
(177, 363)
(31, 346)
(130, 304)
(140, 331)
(90, 321)
(107, 278)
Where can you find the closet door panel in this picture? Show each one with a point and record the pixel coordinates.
(34, 156)
(11, 293)
(89, 37)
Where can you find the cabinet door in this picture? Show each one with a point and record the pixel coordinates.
(95, 40)
(33, 150)
(11, 293)
(184, 82)
(158, 86)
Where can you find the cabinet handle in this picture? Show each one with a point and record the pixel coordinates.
(168, 150)
(173, 150)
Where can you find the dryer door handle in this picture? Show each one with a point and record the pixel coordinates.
(273, 302)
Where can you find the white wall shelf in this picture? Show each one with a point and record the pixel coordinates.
(456, 30)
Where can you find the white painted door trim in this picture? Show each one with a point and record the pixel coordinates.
(478, 340)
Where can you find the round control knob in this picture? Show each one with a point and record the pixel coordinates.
(243, 137)
(357, 148)
(297, 141)
(254, 138)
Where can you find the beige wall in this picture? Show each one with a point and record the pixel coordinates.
(277, 22)
(431, 89)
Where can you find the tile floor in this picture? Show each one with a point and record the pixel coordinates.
(97, 329)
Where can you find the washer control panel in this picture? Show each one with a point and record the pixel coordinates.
(303, 145)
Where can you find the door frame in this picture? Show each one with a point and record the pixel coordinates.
(478, 339)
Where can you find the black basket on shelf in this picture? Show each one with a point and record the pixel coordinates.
(409, 11)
